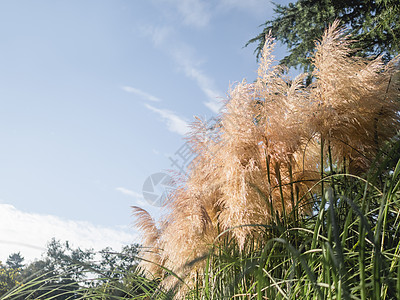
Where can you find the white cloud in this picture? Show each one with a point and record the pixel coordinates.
(173, 121)
(140, 93)
(140, 201)
(129, 192)
(29, 233)
(196, 13)
(199, 13)
(214, 105)
(186, 60)
(159, 35)
(205, 83)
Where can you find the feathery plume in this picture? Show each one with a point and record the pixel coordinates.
(262, 156)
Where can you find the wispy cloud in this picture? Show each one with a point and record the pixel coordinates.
(139, 199)
(158, 34)
(173, 121)
(259, 8)
(35, 230)
(200, 13)
(186, 60)
(189, 64)
(141, 93)
(195, 13)
(128, 192)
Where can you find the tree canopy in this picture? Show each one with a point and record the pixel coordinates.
(373, 24)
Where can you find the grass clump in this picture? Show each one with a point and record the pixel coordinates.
(284, 199)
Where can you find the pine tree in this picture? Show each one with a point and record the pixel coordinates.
(15, 261)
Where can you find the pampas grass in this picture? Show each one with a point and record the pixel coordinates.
(263, 163)
(355, 101)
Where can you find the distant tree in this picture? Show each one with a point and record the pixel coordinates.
(374, 24)
(66, 260)
(15, 261)
(57, 274)
(116, 264)
(116, 270)
(65, 272)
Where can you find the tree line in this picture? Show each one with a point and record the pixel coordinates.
(65, 272)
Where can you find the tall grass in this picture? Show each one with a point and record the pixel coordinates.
(282, 188)
(348, 248)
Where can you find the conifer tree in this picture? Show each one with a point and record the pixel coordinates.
(373, 24)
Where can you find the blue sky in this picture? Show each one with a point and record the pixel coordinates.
(96, 96)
